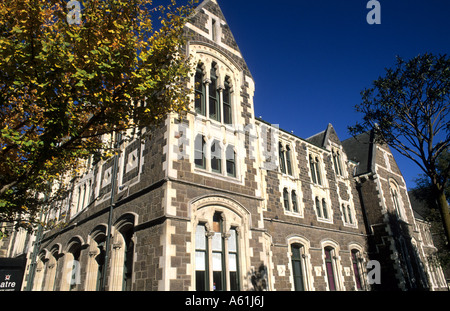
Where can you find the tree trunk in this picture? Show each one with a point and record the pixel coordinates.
(445, 213)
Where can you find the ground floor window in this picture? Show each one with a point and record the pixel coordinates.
(297, 267)
(216, 257)
(329, 265)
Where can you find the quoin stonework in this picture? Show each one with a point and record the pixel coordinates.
(222, 200)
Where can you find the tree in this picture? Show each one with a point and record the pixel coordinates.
(408, 109)
(425, 203)
(68, 77)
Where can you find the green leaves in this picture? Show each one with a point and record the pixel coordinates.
(64, 86)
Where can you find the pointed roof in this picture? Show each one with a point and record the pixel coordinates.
(321, 139)
(361, 149)
(200, 24)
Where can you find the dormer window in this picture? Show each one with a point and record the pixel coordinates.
(314, 165)
(285, 159)
(337, 163)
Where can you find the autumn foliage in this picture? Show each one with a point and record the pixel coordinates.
(63, 86)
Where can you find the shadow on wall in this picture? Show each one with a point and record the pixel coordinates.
(258, 278)
(405, 259)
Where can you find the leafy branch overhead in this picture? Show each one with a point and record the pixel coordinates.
(62, 86)
(409, 110)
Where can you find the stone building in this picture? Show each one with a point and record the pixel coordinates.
(221, 200)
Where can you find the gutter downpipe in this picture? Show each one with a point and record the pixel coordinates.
(111, 208)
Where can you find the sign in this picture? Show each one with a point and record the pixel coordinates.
(11, 274)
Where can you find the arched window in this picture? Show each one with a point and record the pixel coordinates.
(312, 169)
(318, 173)
(337, 163)
(356, 259)
(396, 200)
(122, 252)
(200, 91)
(297, 266)
(324, 208)
(344, 213)
(318, 208)
(199, 152)
(286, 199)
(95, 266)
(100, 260)
(281, 158)
(217, 250)
(330, 267)
(128, 258)
(284, 154)
(201, 262)
(294, 201)
(216, 157)
(231, 161)
(350, 216)
(226, 95)
(233, 264)
(38, 283)
(314, 166)
(288, 160)
(214, 111)
(53, 267)
(72, 267)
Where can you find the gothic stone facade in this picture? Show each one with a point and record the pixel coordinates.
(221, 200)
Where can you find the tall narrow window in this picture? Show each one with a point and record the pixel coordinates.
(214, 112)
(218, 259)
(201, 262)
(281, 156)
(312, 169)
(216, 157)
(128, 260)
(344, 213)
(396, 202)
(200, 107)
(324, 208)
(294, 201)
(231, 161)
(79, 199)
(227, 118)
(75, 274)
(318, 209)
(233, 266)
(100, 259)
(350, 216)
(288, 160)
(297, 268)
(356, 270)
(318, 174)
(329, 263)
(337, 163)
(286, 199)
(199, 152)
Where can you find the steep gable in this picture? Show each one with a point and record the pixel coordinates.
(324, 138)
(209, 27)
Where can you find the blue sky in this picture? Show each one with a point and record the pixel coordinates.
(311, 59)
